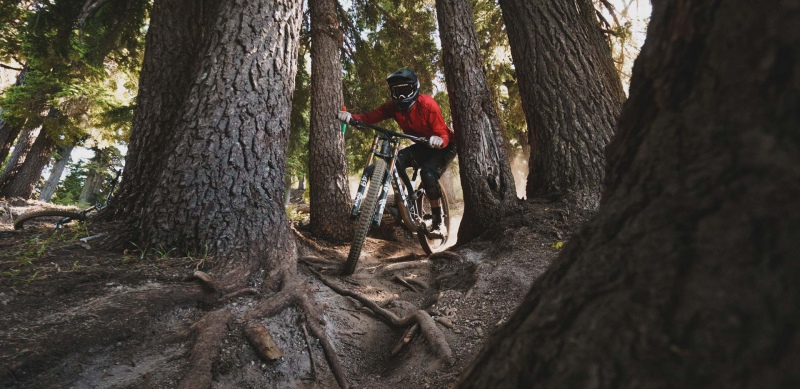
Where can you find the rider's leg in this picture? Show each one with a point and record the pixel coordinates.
(432, 169)
(405, 159)
(430, 181)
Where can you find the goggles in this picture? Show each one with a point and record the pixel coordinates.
(402, 91)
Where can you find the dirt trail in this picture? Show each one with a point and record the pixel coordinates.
(50, 279)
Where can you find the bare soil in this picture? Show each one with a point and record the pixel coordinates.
(62, 323)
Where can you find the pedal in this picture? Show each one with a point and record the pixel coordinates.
(433, 235)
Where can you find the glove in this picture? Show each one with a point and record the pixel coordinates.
(436, 142)
(344, 116)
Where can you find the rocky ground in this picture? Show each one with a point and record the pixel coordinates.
(51, 280)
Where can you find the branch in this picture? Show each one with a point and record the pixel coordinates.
(351, 29)
(611, 11)
(10, 67)
(89, 8)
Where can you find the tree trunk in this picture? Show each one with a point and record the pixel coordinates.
(489, 191)
(21, 181)
(687, 276)
(221, 190)
(327, 168)
(10, 131)
(96, 175)
(173, 51)
(55, 174)
(571, 94)
(91, 187)
(21, 148)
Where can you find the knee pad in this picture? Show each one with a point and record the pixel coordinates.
(430, 181)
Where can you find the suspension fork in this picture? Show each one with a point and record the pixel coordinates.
(362, 185)
(390, 150)
(405, 206)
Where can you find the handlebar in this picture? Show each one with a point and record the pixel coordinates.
(385, 131)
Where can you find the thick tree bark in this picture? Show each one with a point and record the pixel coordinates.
(21, 148)
(221, 191)
(55, 174)
(173, 51)
(571, 94)
(21, 181)
(96, 175)
(687, 276)
(489, 189)
(327, 167)
(10, 131)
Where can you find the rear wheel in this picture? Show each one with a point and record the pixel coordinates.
(46, 217)
(365, 215)
(432, 245)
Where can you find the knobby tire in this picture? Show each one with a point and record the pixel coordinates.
(365, 215)
(20, 223)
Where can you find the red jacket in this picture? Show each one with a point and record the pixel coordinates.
(424, 119)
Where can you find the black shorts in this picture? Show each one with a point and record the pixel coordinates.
(431, 162)
(420, 156)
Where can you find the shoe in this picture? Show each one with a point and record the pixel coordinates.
(437, 232)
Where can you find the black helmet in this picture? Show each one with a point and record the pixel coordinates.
(404, 87)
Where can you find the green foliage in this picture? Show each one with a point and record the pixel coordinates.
(105, 163)
(11, 15)
(297, 155)
(500, 72)
(386, 35)
(70, 187)
(75, 69)
(625, 25)
(23, 263)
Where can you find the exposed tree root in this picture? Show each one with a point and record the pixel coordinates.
(451, 255)
(320, 261)
(404, 258)
(432, 333)
(210, 329)
(326, 252)
(240, 292)
(319, 332)
(390, 267)
(402, 281)
(416, 281)
(261, 340)
(406, 339)
(206, 280)
(310, 350)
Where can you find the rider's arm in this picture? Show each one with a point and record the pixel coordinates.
(379, 114)
(437, 124)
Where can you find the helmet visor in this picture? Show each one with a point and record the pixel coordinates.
(402, 91)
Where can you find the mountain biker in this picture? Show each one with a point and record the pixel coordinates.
(417, 115)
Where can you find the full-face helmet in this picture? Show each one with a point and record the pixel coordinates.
(404, 88)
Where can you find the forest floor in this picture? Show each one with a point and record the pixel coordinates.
(49, 280)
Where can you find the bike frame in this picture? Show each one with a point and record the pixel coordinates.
(385, 145)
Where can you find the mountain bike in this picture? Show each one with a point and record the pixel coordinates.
(411, 209)
(60, 217)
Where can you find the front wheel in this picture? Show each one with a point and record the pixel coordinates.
(365, 217)
(52, 217)
(432, 245)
